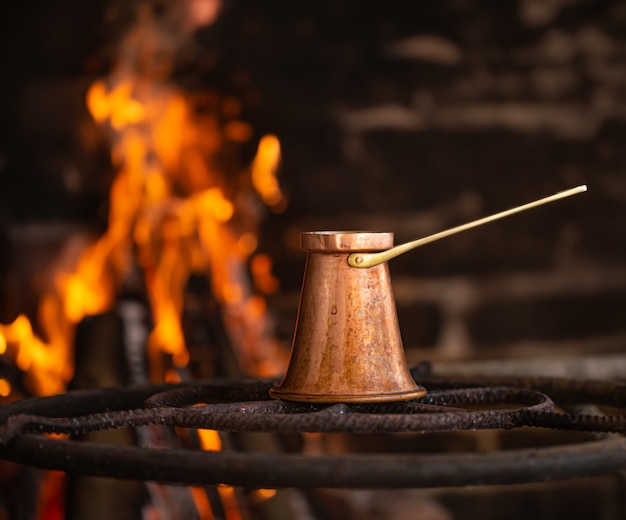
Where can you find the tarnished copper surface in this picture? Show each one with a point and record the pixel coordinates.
(347, 345)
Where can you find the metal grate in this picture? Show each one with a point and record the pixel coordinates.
(451, 405)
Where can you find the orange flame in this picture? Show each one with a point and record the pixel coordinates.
(210, 441)
(173, 213)
(44, 363)
(5, 388)
(264, 169)
(260, 495)
(117, 105)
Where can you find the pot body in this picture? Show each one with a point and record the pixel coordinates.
(347, 345)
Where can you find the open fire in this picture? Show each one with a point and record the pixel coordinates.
(181, 204)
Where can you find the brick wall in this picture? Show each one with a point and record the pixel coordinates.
(414, 117)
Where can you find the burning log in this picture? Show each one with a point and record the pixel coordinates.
(101, 363)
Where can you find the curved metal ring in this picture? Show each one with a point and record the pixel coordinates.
(240, 407)
(428, 415)
(344, 471)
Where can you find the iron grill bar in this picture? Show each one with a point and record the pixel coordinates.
(243, 406)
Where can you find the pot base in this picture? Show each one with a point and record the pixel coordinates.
(405, 395)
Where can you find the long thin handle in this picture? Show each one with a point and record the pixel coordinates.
(364, 260)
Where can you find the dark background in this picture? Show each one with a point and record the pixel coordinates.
(401, 116)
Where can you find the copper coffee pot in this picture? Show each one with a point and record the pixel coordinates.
(347, 345)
